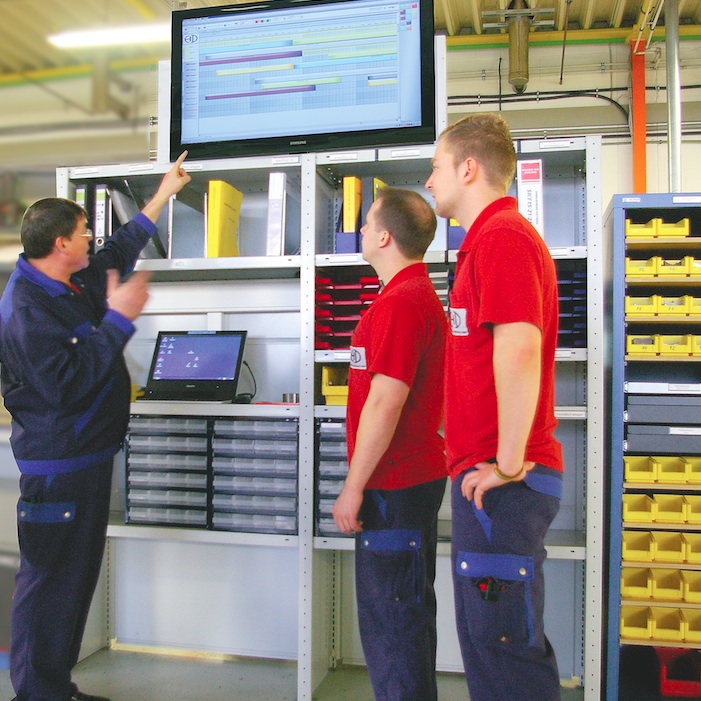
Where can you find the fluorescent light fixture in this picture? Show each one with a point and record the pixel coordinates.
(112, 36)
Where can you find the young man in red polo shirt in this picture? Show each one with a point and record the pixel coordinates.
(397, 474)
(503, 458)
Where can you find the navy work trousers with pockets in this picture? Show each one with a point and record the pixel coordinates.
(62, 525)
(395, 568)
(497, 556)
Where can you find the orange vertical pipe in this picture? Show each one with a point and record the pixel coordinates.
(638, 120)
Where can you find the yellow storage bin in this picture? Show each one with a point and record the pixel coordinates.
(694, 266)
(693, 469)
(667, 624)
(674, 345)
(693, 548)
(696, 345)
(647, 230)
(695, 307)
(667, 585)
(674, 306)
(645, 268)
(636, 622)
(642, 345)
(673, 267)
(639, 546)
(636, 583)
(640, 469)
(693, 508)
(670, 508)
(671, 469)
(679, 229)
(642, 306)
(692, 625)
(669, 547)
(639, 508)
(691, 583)
(334, 384)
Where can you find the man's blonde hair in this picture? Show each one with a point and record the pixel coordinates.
(486, 137)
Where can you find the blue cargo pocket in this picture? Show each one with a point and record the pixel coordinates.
(508, 616)
(45, 529)
(388, 565)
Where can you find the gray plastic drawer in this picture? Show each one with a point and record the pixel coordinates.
(255, 504)
(664, 409)
(166, 517)
(667, 440)
(255, 523)
(255, 485)
(286, 467)
(159, 461)
(167, 424)
(165, 480)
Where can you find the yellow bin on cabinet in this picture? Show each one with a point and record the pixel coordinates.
(642, 345)
(691, 582)
(636, 583)
(692, 625)
(647, 230)
(636, 622)
(639, 546)
(669, 547)
(693, 548)
(667, 624)
(638, 468)
(678, 229)
(674, 345)
(670, 508)
(673, 267)
(667, 585)
(639, 508)
(674, 306)
(645, 268)
(693, 466)
(671, 469)
(642, 306)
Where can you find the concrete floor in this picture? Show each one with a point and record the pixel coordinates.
(129, 676)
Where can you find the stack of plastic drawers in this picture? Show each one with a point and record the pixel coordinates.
(254, 466)
(332, 467)
(572, 293)
(167, 471)
(341, 298)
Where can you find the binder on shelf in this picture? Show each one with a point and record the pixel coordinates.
(186, 223)
(222, 224)
(377, 185)
(102, 222)
(529, 176)
(352, 199)
(283, 216)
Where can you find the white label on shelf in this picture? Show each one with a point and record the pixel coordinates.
(630, 199)
(179, 263)
(684, 431)
(684, 388)
(84, 171)
(405, 153)
(139, 167)
(555, 144)
(285, 160)
(333, 157)
(686, 199)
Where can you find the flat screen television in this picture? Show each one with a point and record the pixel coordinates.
(286, 76)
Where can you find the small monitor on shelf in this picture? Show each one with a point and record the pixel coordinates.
(286, 76)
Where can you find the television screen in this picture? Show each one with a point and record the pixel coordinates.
(287, 77)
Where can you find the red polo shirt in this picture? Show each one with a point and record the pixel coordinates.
(504, 274)
(402, 335)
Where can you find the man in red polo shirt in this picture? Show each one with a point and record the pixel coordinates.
(503, 458)
(397, 474)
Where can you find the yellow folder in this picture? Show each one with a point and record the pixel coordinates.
(352, 198)
(223, 211)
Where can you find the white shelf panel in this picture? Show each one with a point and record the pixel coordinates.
(329, 412)
(562, 355)
(214, 409)
(199, 535)
(332, 356)
(557, 252)
(221, 268)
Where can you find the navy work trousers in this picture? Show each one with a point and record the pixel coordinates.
(497, 557)
(62, 525)
(395, 568)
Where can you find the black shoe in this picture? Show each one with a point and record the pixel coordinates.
(80, 696)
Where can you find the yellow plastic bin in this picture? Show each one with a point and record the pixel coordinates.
(639, 546)
(670, 508)
(636, 583)
(334, 384)
(673, 267)
(693, 508)
(674, 345)
(642, 345)
(670, 547)
(642, 306)
(694, 266)
(671, 469)
(640, 469)
(638, 508)
(695, 307)
(667, 585)
(696, 346)
(636, 622)
(667, 624)
(691, 583)
(692, 625)
(647, 230)
(674, 306)
(694, 467)
(678, 229)
(646, 267)
(693, 548)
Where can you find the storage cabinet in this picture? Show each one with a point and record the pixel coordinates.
(262, 478)
(655, 428)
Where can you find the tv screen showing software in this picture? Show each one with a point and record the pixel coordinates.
(289, 77)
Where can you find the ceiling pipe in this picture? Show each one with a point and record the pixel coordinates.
(519, 28)
(674, 101)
